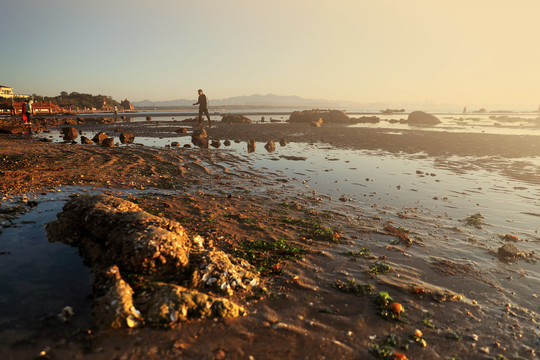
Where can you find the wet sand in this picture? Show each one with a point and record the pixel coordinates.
(306, 313)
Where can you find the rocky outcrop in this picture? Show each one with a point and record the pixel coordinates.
(173, 303)
(127, 138)
(236, 119)
(422, 118)
(120, 241)
(118, 232)
(70, 133)
(311, 116)
(113, 304)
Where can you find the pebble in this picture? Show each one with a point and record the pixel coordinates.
(484, 349)
(279, 325)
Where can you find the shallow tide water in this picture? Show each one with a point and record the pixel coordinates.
(431, 197)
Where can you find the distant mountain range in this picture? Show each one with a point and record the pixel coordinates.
(252, 100)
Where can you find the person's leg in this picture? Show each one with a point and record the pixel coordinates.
(200, 115)
(208, 116)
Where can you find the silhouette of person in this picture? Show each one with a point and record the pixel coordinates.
(203, 106)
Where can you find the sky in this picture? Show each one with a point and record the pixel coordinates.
(457, 52)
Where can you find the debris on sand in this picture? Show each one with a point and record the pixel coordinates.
(476, 220)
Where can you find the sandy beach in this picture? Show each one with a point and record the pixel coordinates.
(327, 263)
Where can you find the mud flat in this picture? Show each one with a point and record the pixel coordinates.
(338, 278)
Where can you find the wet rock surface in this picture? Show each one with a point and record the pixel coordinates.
(236, 119)
(120, 241)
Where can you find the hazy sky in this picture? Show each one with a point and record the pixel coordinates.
(462, 52)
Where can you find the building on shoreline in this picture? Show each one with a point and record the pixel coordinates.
(7, 93)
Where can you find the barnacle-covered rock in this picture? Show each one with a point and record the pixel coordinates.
(173, 303)
(222, 273)
(112, 231)
(113, 303)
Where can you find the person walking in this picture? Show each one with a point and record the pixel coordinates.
(203, 107)
(28, 111)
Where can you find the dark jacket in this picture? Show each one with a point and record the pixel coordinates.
(202, 102)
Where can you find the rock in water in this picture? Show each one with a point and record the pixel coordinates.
(113, 303)
(108, 142)
(270, 146)
(85, 140)
(313, 116)
(422, 118)
(236, 119)
(115, 237)
(99, 137)
(127, 138)
(200, 138)
(216, 144)
(70, 133)
(251, 146)
(112, 231)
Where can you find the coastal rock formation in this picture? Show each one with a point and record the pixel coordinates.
(120, 241)
(236, 119)
(310, 116)
(70, 133)
(127, 138)
(118, 232)
(173, 303)
(98, 139)
(113, 303)
(422, 118)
